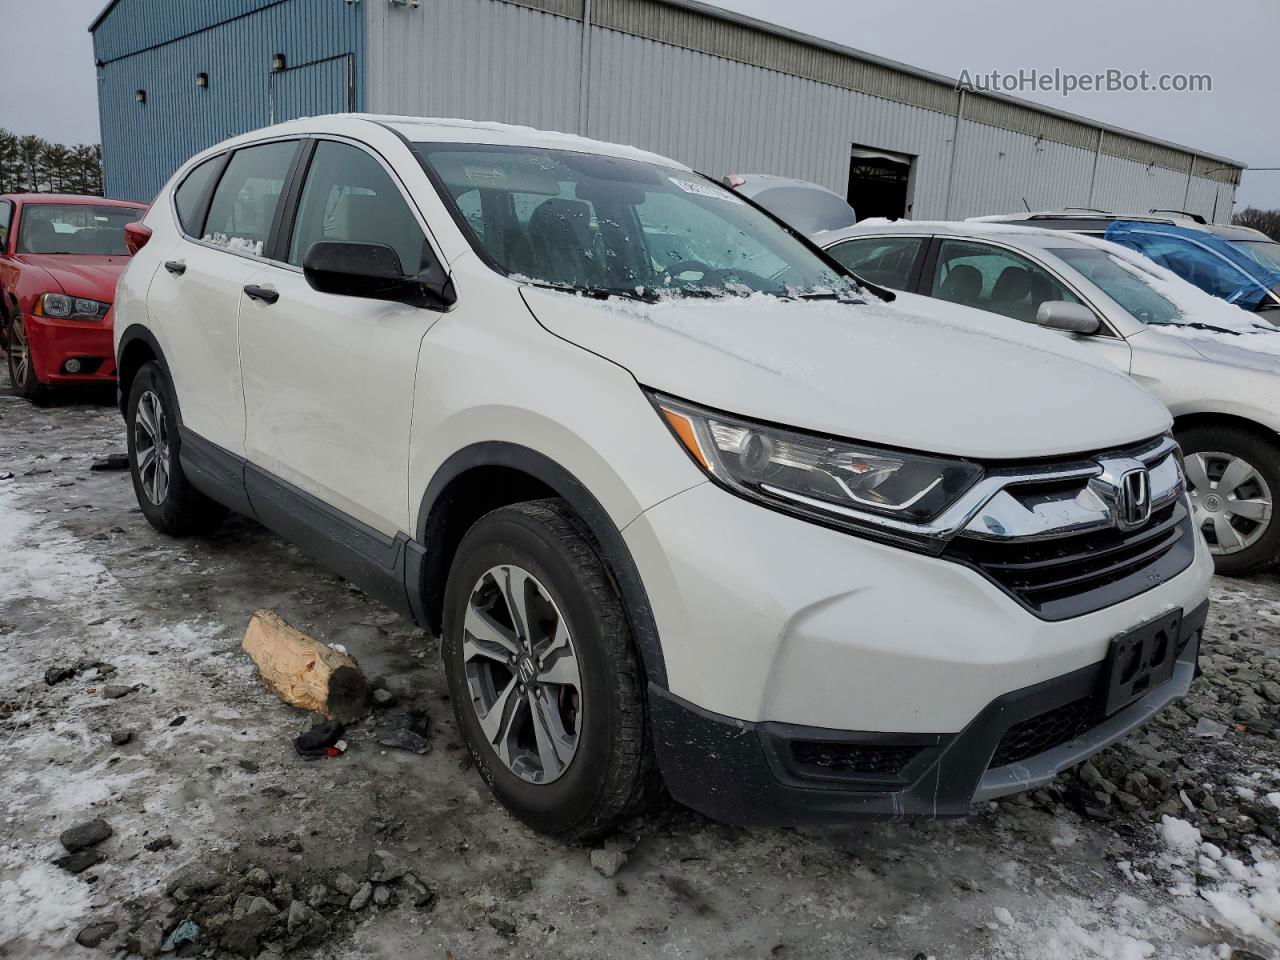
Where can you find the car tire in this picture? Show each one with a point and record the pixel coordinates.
(22, 371)
(166, 497)
(609, 774)
(1241, 544)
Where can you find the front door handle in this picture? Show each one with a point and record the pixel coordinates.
(176, 267)
(265, 294)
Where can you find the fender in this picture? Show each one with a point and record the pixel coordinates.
(132, 334)
(434, 570)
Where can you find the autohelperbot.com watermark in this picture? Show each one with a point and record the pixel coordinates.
(1065, 82)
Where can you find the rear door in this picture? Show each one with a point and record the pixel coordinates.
(226, 208)
(329, 380)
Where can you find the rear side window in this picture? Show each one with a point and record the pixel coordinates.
(350, 196)
(245, 201)
(883, 260)
(188, 196)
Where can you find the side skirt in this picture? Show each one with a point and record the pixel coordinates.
(383, 567)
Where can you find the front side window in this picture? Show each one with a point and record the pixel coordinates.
(244, 204)
(75, 228)
(350, 196)
(994, 279)
(609, 225)
(884, 260)
(1125, 284)
(188, 197)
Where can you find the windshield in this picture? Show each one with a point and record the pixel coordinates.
(1125, 285)
(612, 226)
(807, 209)
(79, 228)
(1268, 251)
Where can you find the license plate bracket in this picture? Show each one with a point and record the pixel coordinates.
(1141, 660)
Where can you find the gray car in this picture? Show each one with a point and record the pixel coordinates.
(1215, 366)
(805, 206)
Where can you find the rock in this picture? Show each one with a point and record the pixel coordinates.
(114, 691)
(80, 861)
(343, 883)
(121, 737)
(385, 867)
(85, 834)
(1128, 801)
(317, 896)
(248, 766)
(361, 898)
(294, 845)
(162, 842)
(383, 698)
(95, 933)
(418, 893)
(257, 877)
(251, 918)
(147, 939)
(608, 862)
(516, 886)
(504, 925)
(56, 675)
(1247, 711)
(193, 878)
(381, 894)
(305, 925)
(1270, 690)
(177, 721)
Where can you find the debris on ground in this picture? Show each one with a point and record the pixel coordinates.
(305, 672)
(86, 834)
(608, 862)
(324, 739)
(411, 732)
(112, 461)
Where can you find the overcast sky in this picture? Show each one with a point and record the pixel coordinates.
(47, 76)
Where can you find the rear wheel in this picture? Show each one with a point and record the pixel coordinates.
(167, 499)
(1233, 477)
(22, 372)
(543, 673)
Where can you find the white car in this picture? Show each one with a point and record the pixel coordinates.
(806, 557)
(1215, 366)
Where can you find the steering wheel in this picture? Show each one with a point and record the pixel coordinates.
(713, 274)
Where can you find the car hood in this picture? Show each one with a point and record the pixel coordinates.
(91, 277)
(956, 382)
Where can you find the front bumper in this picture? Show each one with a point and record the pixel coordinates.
(54, 342)
(750, 774)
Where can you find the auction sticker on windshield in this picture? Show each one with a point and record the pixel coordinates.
(703, 190)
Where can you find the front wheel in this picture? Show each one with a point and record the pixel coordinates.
(167, 499)
(543, 673)
(1233, 476)
(22, 371)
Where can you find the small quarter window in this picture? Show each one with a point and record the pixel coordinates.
(884, 260)
(187, 198)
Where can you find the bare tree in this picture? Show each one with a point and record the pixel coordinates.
(1268, 221)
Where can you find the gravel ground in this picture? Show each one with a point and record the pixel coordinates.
(219, 839)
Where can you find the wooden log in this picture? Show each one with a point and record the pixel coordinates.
(305, 672)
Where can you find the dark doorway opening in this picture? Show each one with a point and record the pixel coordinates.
(879, 183)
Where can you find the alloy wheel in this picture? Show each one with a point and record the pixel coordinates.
(151, 447)
(1230, 501)
(522, 673)
(19, 353)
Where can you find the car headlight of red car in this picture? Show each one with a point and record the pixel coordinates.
(63, 307)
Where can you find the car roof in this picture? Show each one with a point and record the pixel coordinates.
(978, 230)
(447, 130)
(69, 198)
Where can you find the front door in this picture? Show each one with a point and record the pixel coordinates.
(329, 380)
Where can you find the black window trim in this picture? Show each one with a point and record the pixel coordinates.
(8, 228)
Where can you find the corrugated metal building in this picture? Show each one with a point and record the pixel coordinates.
(718, 91)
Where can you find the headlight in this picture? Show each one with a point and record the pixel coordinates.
(61, 306)
(833, 481)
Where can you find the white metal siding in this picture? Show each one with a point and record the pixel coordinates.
(496, 60)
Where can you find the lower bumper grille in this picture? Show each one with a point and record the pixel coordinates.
(827, 758)
(1073, 575)
(1047, 730)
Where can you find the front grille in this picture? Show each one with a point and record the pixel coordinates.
(824, 758)
(1071, 575)
(1046, 731)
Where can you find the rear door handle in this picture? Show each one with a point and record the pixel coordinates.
(265, 294)
(176, 267)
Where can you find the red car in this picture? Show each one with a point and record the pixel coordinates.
(60, 257)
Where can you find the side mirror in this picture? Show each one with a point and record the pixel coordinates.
(1064, 315)
(350, 268)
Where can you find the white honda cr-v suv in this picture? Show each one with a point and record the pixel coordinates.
(678, 496)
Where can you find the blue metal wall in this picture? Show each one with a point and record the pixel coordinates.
(161, 45)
